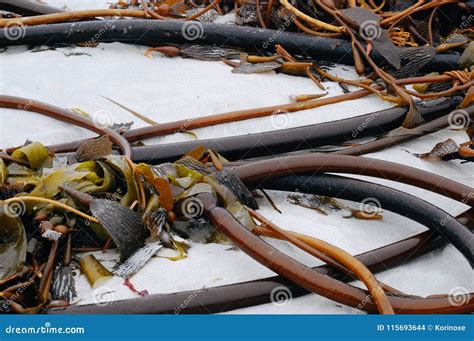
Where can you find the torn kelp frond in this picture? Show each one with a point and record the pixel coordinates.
(136, 261)
(124, 225)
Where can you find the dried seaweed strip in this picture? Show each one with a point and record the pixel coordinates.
(136, 261)
(123, 225)
(155, 221)
(413, 60)
(249, 68)
(314, 202)
(94, 149)
(193, 164)
(247, 15)
(440, 150)
(359, 16)
(64, 286)
(205, 52)
(237, 187)
(208, 16)
(387, 49)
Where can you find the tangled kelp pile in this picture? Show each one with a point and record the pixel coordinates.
(52, 210)
(55, 208)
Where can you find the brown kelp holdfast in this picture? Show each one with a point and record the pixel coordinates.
(218, 299)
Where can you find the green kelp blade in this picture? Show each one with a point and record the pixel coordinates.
(467, 58)
(12, 244)
(94, 271)
(3, 172)
(21, 175)
(180, 245)
(124, 175)
(35, 153)
(88, 177)
(103, 183)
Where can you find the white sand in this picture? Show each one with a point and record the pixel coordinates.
(170, 89)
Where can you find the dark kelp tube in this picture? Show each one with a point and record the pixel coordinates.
(389, 199)
(290, 140)
(254, 172)
(461, 238)
(389, 141)
(158, 32)
(60, 114)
